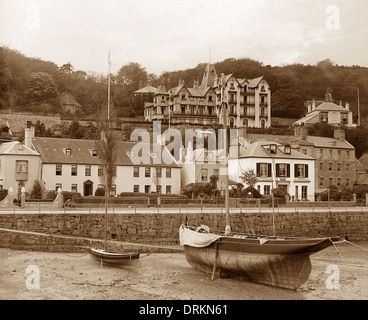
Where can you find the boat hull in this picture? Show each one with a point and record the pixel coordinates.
(276, 262)
(112, 258)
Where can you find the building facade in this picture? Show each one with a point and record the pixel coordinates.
(73, 165)
(249, 102)
(327, 112)
(19, 166)
(276, 166)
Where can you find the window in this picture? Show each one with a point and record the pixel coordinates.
(68, 151)
(57, 186)
(147, 172)
(296, 192)
(158, 172)
(168, 172)
(58, 170)
(301, 170)
(183, 96)
(74, 187)
(282, 170)
(136, 172)
(304, 192)
(100, 171)
(158, 189)
(168, 189)
(113, 190)
(338, 166)
(87, 171)
(136, 188)
(330, 166)
(22, 166)
(321, 166)
(204, 175)
(209, 110)
(321, 182)
(264, 170)
(339, 153)
(330, 181)
(210, 98)
(94, 153)
(74, 170)
(330, 153)
(347, 154)
(347, 182)
(147, 189)
(267, 189)
(304, 151)
(338, 182)
(321, 153)
(347, 167)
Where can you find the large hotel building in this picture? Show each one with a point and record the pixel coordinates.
(248, 100)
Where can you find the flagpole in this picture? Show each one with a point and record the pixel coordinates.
(108, 91)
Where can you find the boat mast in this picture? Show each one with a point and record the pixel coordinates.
(107, 127)
(226, 149)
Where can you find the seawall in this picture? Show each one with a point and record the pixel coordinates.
(40, 231)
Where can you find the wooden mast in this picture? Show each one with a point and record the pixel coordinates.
(226, 149)
(107, 127)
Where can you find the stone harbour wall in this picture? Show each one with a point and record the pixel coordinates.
(162, 229)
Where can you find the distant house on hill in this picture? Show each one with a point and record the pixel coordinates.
(69, 104)
(327, 112)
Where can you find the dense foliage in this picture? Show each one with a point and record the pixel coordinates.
(291, 85)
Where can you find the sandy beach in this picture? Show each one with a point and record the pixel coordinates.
(165, 276)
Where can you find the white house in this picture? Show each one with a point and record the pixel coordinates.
(74, 165)
(276, 166)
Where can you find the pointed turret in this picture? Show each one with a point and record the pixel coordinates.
(209, 76)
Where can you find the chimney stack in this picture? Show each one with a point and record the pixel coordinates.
(339, 134)
(347, 106)
(301, 132)
(196, 84)
(29, 134)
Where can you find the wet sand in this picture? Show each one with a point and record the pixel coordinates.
(165, 276)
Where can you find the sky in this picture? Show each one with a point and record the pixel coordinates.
(171, 35)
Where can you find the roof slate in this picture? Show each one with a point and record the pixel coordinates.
(52, 150)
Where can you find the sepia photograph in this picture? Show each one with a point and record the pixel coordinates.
(183, 156)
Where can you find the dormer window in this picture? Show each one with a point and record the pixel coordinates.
(287, 149)
(93, 152)
(273, 148)
(20, 147)
(68, 152)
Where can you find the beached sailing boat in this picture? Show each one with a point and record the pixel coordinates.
(103, 255)
(276, 261)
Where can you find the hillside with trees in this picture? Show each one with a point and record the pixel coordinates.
(31, 84)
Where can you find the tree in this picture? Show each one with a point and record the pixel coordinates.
(67, 68)
(250, 178)
(132, 75)
(41, 87)
(107, 154)
(4, 82)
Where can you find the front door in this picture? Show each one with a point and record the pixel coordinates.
(88, 188)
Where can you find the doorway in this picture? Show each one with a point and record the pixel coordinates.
(88, 188)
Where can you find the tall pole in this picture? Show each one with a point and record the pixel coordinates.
(358, 108)
(108, 91)
(224, 115)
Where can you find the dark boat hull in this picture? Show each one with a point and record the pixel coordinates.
(112, 258)
(280, 262)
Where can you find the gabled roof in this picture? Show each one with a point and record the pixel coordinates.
(148, 89)
(309, 118)
(253, 83)
(330, 106)
(16, 148)
(53, 151)
(259, 149)
(318, 142)
(67, 99)
(364, 160)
